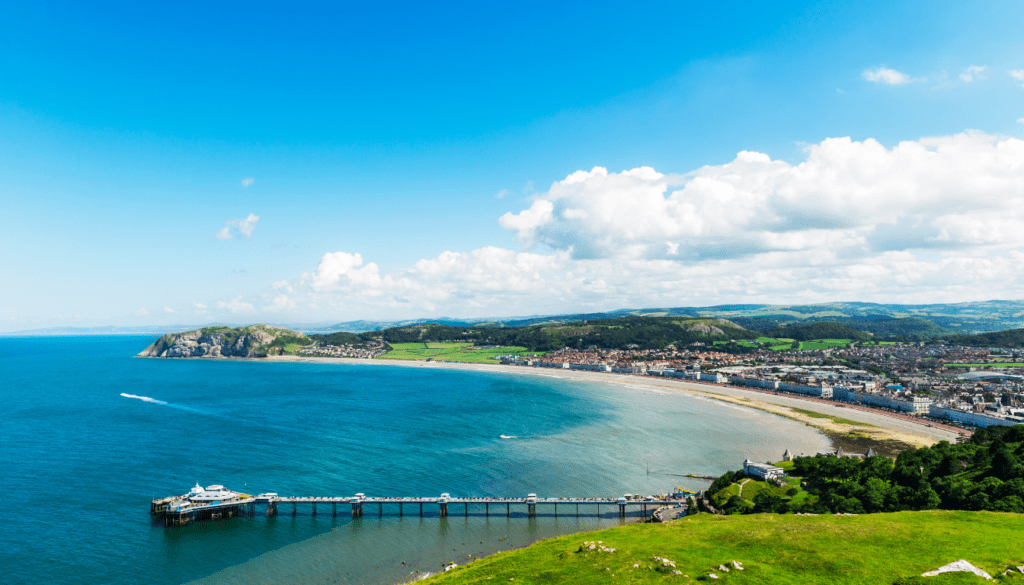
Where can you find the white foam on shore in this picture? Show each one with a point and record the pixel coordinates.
(143, 398)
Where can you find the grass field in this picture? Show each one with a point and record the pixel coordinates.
(742, 342)
(773, 340)
(875, 549)
(783, 344)
(835, 419)
(448, 352)
(824, 343)
(994, 365)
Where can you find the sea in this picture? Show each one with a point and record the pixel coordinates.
(90, 434)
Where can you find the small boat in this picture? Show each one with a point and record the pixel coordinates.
(507, 436)
(211, 493)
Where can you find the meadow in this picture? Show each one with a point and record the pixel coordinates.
(785, 344)
(878, 549)
(449, 352)
(992, 365)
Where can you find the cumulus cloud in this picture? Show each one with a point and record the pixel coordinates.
(280, 303)
(245, 226)
(169, 310)
(236, 305)
(248, 181)
(1017, 74)
(972, 73)
(846, 196)
(887, 76)
(199, 305)
(936, 219)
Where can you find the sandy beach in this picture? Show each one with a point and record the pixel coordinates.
(852, 428)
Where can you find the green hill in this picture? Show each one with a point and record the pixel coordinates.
(818, 330)
(1011, 338)
(221, 341)
(615, 333)
(984, 472)
(880, 326)
(877, 549)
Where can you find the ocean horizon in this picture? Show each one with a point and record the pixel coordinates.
(92, 434)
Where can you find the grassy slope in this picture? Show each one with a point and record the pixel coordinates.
(868, 549)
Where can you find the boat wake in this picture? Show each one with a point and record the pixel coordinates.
(162, 403)
(507, 436)
(143, 398)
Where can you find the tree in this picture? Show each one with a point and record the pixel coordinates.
(766, 502)
(1003, 463)
(874, 494)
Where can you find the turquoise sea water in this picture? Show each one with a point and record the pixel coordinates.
(80, 462)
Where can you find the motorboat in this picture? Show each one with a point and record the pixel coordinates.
(211, 493)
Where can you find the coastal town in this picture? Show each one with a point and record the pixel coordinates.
(371, 350)
(929, 381)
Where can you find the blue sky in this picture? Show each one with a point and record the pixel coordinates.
(254, 163)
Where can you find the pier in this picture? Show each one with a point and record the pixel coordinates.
(179, 511)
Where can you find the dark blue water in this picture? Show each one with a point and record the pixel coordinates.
(79, 463)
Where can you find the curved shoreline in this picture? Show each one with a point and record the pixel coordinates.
(895, 432)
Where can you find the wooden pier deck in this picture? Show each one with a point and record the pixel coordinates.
(178, 511)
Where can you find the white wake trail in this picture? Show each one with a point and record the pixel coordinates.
(143, 398)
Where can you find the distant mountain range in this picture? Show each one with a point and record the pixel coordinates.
(880, 319)
(930, 320)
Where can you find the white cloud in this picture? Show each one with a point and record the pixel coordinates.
(501, 194)
(236, 305)
(339, 269)
(199, 305)
(244, 226)
(972, 73)
(846, 195)
(248, 181)
(1020, 120)
(280, 303)
(169, 310)
(283, 285)
(937, 219)
(142, 312)
(887, 76)
(1017, 74)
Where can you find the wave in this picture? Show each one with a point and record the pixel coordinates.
(143, 398)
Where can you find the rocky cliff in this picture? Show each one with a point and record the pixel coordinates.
(251, 341)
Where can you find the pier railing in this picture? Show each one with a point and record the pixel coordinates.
(178, 511)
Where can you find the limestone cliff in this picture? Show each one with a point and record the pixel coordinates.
(251, 341)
